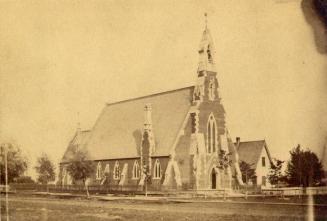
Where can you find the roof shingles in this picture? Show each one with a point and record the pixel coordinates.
(250, 151)
(118, 131)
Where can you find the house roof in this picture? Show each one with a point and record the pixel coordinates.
(117, 132)
(78, 142)
(250, 151)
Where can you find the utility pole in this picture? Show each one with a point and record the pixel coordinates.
(1, 159)
(4, 154)
(6, 169)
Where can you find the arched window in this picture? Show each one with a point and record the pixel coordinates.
(98, 173)
(157, 170)
(116, 171)
(212, 88)
(209, 54)
(211, 134)
(107, 170)
(136, 170)
(209, 138)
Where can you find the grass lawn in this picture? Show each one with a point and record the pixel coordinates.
(44, 208)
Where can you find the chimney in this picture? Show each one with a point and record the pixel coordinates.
(238, 140)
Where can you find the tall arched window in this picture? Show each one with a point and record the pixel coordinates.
(98, 173)
(157, 170)
(209, 137)
(211, 134)
(116, 171)
(136, 170)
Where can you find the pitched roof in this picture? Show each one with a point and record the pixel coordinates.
(79, 141)
(250, 151)
(118, 131)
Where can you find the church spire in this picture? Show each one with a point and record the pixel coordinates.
(206, 50)
(207, 83)
(206, 20)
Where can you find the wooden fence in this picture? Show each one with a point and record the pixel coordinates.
(293, 191)
(136, 189)
(95, 189)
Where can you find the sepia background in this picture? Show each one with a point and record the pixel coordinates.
(61, 61)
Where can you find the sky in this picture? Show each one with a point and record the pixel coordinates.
(62, 61)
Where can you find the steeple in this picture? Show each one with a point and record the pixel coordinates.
(206, 51)
(207, 83)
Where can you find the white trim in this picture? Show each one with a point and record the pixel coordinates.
(136, 172)
(181, 131)
(98, 174)
(116, 167)
(123, 175)
(157, 173)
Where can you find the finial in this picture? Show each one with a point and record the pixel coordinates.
(206, 19)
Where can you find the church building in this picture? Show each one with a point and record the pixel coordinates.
(178, 139)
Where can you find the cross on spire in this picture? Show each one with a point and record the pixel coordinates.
(206, 19)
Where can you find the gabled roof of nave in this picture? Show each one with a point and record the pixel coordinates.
(79, 141)
(117, 132)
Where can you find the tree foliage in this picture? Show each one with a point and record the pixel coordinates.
(17, 162)
(304, 168)
(248, 173)
(24, 179)
(45, 169)
(275, 175)
(80, 168)
(224, 160)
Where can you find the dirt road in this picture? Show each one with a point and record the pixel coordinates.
(41, 208)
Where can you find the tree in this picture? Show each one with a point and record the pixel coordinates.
(80, 168)
(304, 168)
(16, 161)
(224, 160)
(248, 173)
(45, 169)
(24, 179)
(275, 172)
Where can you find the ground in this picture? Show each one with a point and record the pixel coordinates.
(27, 207)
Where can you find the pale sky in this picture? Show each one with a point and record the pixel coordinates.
(61, 61)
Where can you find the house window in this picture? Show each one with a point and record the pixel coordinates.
(263, 161)
(264, 181)
(157, 170)
(116, 171)
(98, 173)
(136, 170)
(211, 134)
(106, 170)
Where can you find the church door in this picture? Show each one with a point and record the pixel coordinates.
(213, 179)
